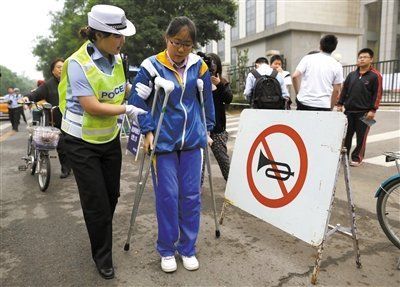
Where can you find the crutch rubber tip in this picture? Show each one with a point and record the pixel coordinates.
(126, 247)
(217, 233)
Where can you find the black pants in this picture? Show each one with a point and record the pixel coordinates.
(62, 154)
(97, 170)
(355, 125)
(14, 115)
(23, 115)
(301, 107)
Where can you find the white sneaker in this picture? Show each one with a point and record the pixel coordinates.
(190, 263)
(168, 264)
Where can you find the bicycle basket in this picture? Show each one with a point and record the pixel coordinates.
(45, 137)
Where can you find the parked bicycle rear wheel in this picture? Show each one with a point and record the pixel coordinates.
(32, 154)
(44, 171)
(388, 210)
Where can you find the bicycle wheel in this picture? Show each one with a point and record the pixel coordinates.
(388, 210)
(34, 159)
(44, 171)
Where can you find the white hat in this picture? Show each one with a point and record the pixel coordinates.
(107, 18)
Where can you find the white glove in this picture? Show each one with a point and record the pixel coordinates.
(143, 90)
(132, 112)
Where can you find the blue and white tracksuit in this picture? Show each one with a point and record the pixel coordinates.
(176, 169)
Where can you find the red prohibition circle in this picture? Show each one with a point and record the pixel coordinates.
(288, 196)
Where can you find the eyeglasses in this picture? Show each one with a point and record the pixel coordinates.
(178, 45)
(364, 57)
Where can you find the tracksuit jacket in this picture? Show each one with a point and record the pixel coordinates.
(362, 92)
(182, 127)
(176, 169)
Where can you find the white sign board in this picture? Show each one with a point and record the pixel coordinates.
(284, 167)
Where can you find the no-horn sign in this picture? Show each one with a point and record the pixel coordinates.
(277, 171)
(284, 166)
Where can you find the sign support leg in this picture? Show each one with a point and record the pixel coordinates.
(223, 210)
(350, 232)
(351, 208)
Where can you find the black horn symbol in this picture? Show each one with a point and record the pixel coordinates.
(271, 172)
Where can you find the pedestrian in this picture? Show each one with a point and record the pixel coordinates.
(360, 96)
(263, 69)
(176, 170)
(17, 93)
(222, 96)
(92, 90)
(48, 91)
(276, 63)
(14, 108)
(318, 78)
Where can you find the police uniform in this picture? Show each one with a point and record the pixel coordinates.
(14, 109)
(93, 143)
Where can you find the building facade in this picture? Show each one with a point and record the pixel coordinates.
(293, 28)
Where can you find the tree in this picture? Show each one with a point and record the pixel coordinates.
(150, 17)
(10, 79)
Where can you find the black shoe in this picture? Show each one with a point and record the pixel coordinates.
(106, 273)
(65, 174)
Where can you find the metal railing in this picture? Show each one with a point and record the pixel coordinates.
(390, 71)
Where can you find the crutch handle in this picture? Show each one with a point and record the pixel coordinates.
(167, 85)
(200, 85)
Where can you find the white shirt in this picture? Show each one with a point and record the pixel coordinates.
(319, 72)
(263, 69)
(286, 78)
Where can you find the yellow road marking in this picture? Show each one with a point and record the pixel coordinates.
(5, 136)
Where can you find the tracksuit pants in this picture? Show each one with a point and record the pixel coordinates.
(355, 125)
(97, 170)
(176, 181)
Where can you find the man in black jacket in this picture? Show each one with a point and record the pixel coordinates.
(48, 91)
(360, 96)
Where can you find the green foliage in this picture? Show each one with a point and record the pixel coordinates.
(243, 58)
(150, 17)
(10, 79)
(239, 73)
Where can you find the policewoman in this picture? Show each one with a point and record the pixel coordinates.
(176, 170)
(92, 89)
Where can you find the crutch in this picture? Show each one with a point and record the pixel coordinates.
(200, 86)
(168, 87)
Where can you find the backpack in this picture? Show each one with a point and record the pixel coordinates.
(267, 93)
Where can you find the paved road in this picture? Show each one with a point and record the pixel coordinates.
(44, 241)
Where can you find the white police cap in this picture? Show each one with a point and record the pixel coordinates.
(111, 19)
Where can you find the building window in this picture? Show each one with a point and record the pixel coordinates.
(235, 29)
(233, 57)
(221, 43)
(270, 13)
(250, 17)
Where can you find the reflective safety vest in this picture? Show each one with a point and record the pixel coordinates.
(107, 89)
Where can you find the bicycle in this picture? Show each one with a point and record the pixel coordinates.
(42, 138)
(388, 203)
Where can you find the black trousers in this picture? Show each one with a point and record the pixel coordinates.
(355, 125)
(301, 107)
(62, 154)
(23, 115)
(97, 170)
(14, 115)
